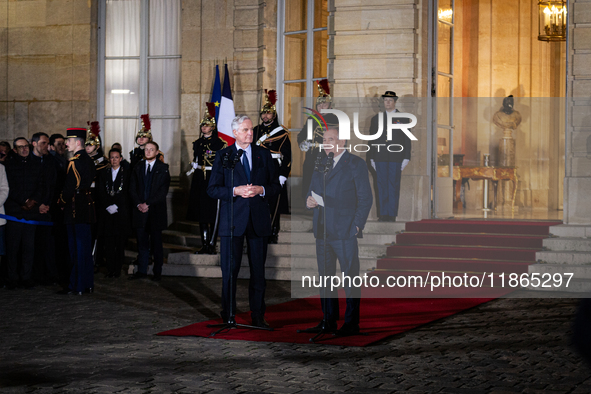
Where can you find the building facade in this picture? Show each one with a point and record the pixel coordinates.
(67, 62)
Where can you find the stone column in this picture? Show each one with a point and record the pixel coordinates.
(577, 183)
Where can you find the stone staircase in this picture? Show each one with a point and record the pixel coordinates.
(293, 256)
(568, 251)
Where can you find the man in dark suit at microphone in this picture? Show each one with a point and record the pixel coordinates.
(347, 201)
(255, 181)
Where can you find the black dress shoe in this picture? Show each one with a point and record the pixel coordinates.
(89, 290)
(260, 322)
(329, 326)
(348, 329)
(156, 278)
(136, 276)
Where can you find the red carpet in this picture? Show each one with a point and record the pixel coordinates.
(380, 318)
(426, 249)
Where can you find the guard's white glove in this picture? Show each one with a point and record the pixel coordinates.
(373, 164)
(304, 146)
(404, 164)
(112, 209)
(194, 165)
(282, 179)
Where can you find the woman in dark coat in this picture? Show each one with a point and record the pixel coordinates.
(114, 223)
(202, 208)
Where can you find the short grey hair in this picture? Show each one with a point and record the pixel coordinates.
(237, 121)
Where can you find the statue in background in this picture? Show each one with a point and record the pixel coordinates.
(508, 119)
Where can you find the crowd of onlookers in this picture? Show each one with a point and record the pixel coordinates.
(34, 246)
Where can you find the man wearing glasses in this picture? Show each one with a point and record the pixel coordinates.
(25, 179)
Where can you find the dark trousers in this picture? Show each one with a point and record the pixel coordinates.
(257, 255)
(347, 252)
(389, 176)
(80, 243)
(20, 242)
(115, 253)
(147, 240)
(62, 253)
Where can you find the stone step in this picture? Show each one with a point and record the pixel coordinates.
(168, 248)
(181, 238)
(368, 239)
(580, 282)
(570, 230)
(373, 251)
(216, 272)
(563, 257)
(283, 262)
(578, 271)
(568, 244)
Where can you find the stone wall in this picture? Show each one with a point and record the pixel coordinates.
(241, 33)
(577, 183)
(48, 53)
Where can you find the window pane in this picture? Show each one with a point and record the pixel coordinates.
(122, 131)
(444, 48)
(443, 153)
(295, 57)
(123, 28)
(290, 91)
(165, 86)
(320, 53)
(295, 15)
(320, 13)
(121, 87)
(163, 132)
(165, 27)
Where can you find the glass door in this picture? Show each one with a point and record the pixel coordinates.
(443, 83)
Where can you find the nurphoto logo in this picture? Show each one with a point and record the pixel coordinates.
(393, 122)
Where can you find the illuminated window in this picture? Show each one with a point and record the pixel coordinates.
(140, 70)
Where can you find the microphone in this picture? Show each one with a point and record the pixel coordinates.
(318, 163)
(237, 156)
(226, 160)
(329, 162)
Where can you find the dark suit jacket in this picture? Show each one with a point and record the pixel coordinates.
(348, 198)
(157, 214)
(398, 137)
(264, 173)
(116, 193)
(26, 181)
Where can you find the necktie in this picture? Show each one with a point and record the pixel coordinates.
(149, 169)
(246, 165)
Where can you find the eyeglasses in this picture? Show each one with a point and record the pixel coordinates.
(21, 147)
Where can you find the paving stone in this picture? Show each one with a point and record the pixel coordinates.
(105, 342)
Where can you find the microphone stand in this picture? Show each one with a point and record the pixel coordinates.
(324, 329)
(231, 323)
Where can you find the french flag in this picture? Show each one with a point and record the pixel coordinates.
(227, 113)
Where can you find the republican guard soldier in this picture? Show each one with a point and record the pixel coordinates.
(144, 135)
(274, 137)
(311, 147)
(202, 208)
(79, 212)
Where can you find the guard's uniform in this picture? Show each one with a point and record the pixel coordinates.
(203, 208)
(275, 139)
(79, 214)
(313, 149)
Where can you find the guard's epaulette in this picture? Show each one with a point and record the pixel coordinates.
(75, 157)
